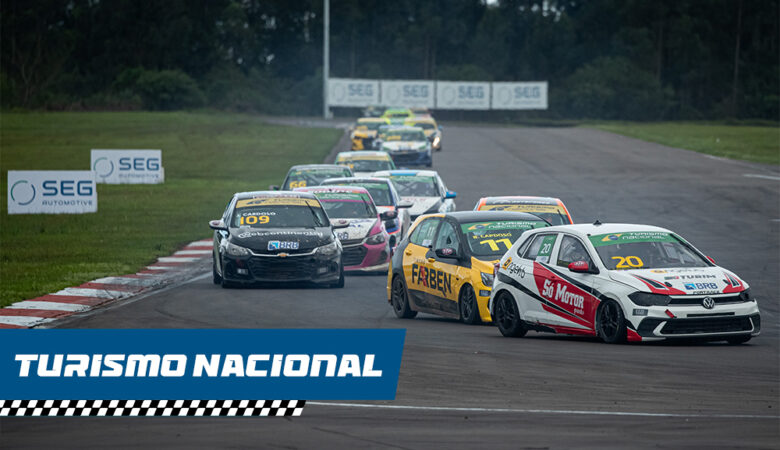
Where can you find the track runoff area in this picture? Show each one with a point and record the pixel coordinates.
(467, 386)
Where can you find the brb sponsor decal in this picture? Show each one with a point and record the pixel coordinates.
(127, 166)
(352, 92)
(409, 93)
(51, 192)
(433, 279)
(519, 95)
(462, 95)
(189, 364)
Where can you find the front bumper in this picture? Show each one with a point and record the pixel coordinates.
(366, 257)
(696, 322)
(412, 157)
(309, 267)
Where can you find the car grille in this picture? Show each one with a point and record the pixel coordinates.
(282, 268)
(708, 325)
(690, 300)
(353, 256)
(348, 242)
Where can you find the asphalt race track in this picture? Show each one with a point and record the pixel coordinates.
(475, 388)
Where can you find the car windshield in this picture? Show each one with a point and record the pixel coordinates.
(414, 186)
(551, 213)
(312, 177)
(405, 136)
(645, 250)
(490, 240)
(373, 126)
(368, 165)
(347, 206)
(380, 192)
(425, 125)
(279, 213)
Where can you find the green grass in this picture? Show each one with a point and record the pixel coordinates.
(207, 157)
(750, 143)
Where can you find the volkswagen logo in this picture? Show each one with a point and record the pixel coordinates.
(708, 302)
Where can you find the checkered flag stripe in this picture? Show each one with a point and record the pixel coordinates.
(150, 408)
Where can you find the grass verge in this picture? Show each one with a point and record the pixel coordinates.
(750, 143)
(207, 157)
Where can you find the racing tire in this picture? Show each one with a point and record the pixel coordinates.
(611, 323)
(736, 340)
(467, 305)
(215, 277)
(399, 298)
(507, 317)
(339, 284)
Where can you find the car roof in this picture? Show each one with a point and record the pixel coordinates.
(353, 180)
(520, 199)
(273, 194)
(405, 172)
(406, 128)
(357, 153)
(316, 189)
(415, 119)
(477, 216)
(590, 229)
(316, 166)
(372, 120)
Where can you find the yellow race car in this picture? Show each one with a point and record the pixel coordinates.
(445, 264)
(430, 128)
(364, 132)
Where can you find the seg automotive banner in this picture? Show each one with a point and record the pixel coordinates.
(51, 192)
(519, 95)
(352, 92)
(198, 364)
(462, 95)
(408, 93)
(127, 166)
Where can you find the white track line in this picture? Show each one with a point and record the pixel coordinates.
(765, 177)
(89, 292)
(179, 259)
(24, 321)
(162, 268)
(49, 306)
(193, 252)
(545, 411)
(126, 281)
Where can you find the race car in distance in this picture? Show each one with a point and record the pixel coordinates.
(619, 282)
(550, 209)
(407, 146)
(365, 131)
(365, 241)
(397, 115)
(431, 130)
(312, 175)
(269, 236)
(386, 199)
(420, 112)
(424, 189)
(364, 163)
(446, 264)
(373, 111)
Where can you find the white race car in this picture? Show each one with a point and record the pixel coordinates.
(423, 188)
(619, 282)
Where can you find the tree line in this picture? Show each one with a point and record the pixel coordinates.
(605, 59)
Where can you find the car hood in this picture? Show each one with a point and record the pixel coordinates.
(683, 281)
(258, 239)
(357, 229)
(363, 174)
(404, 145)
(420, 205)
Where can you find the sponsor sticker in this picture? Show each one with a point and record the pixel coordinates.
(629, 237)
(283, 245)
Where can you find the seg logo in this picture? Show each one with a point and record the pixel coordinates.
(51, 192)
(139, 163)
(22, 192)
(471, 92)
(128, 166)
(67, 188)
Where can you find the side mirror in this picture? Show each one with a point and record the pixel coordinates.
(405, 204)
(338, 224)
(711, 260)
(217, 225)
(446, 252)
(273, 187)
(450, 194)
(388, 215)
(441, 127)
(580, 267)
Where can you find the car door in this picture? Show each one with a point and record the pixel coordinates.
(416, 266)
(219, 235)
(533, 277)
(574, 290)
(448, 272)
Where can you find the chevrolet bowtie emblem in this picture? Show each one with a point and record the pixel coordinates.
(283, 255)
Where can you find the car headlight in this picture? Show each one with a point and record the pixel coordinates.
(645, 299)
(746, 296)
(376, 239)
(436, 141)
(487, 279)
(329, 249)
(236, 250)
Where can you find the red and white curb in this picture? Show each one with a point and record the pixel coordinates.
(72, 300)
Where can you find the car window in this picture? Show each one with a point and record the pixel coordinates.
(447, 237)
(541, 248)
(572, 250)
(423, 234)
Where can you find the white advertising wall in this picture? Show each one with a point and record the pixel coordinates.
(127, 166)
(352, 92)
(408, 93)
(51, 192)
(462, 95)
(531, 95)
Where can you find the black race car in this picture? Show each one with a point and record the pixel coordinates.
(268, 236)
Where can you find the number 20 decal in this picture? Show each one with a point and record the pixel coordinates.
(628, 262)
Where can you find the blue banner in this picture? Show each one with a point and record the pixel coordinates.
(305, 364)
